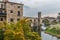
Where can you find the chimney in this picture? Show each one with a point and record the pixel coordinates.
(5, 0)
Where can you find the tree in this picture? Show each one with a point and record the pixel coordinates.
(46, 22)
(19, 31)
(29, 35)
(54, 22)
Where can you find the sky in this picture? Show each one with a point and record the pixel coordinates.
(46, 7)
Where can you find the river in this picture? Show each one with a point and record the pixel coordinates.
(48, 37)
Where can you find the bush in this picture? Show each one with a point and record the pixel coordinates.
(19, 31)
(55, 29)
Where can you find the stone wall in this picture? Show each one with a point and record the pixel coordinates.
(15, 9)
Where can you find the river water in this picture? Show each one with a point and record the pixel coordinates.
(48, 37)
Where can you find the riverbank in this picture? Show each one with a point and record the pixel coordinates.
(46, 36)
(50, 33)
(53, 30)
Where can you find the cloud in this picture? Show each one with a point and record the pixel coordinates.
(51, 15)
(47, 7)
(30, 12)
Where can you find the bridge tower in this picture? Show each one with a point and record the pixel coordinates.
(39, 23)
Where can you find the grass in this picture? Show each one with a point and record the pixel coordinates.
(55, 31)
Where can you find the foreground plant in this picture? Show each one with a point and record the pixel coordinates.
(19, 31)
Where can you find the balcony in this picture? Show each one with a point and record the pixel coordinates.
(2, 14)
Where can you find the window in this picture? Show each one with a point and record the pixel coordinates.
(1, 19)
(18, 6)
(18, 13)
(11, 20)
(1, 5)
(11, 11)
(18, 19)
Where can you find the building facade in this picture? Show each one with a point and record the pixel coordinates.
(10, 11)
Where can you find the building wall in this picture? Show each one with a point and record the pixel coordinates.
(15, 9)
(2, 6)
(2, 10)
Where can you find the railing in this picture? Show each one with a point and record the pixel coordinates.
(2, 14)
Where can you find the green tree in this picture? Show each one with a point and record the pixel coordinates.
(29, 35)
(46, 22)
(54, 22)
(19, 31)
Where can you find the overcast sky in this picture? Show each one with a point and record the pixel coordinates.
(47, 7)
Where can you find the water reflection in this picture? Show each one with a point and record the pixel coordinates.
(48, 37)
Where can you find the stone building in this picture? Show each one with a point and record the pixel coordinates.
(58, 16)
(10, 11)
(49, 18)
